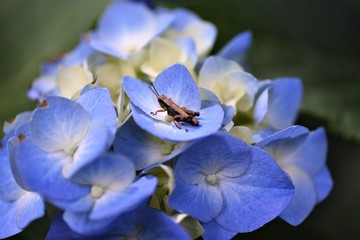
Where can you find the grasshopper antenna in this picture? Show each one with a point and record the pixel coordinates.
(153, 89)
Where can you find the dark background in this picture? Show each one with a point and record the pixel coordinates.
(317, 40)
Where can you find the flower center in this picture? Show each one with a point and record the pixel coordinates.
(212, 179)
(97, 191)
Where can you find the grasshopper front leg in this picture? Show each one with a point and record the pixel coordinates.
(160, 110)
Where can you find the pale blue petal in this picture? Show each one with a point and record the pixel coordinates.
(9, 189)
(124, 28)
(15, 216)
(76, 57)
(8, 217)
(29, 207)
(42, 173)
(177, 83)
(58, 125)
(236, 49)
(81, 205)
(80, 222)
(99, 105)
(140, 95)
(261, 106)
(201, 200)
(214, 69)
(95, 142)
(214, 231)
(140, 147)
(163, 21)
(304, 198)
(19, 120)
(210, 121)
(108, 171)
(24, 130)
(60, 230)
(113, 203)
(323, 183)
(256, 197)
(262, 134)
(285, 95)
(308, 153)
(286, 134)
(157, 225)
(217, 154)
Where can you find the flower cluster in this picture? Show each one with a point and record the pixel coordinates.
(140, 133)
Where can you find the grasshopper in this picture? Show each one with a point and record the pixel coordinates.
(177, 113)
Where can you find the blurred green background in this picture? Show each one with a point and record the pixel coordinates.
(317, 40)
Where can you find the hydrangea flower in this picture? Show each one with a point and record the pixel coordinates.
(302, 155)
(231, 185)
(277, 105)
(142, 223)
(63, 136)
(112, 191)
(146, 151)
(175, 83)
(164, 53)
(229, 82)
(188, 24)
(126, 28)
(237, 48)
(18, 207)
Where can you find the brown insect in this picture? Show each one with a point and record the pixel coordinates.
(177, 113)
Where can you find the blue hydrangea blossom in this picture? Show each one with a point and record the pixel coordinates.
(277, 105)
(126, 28)
(142, 223)
(18, 207)
(64, 136)
(230, 185)
(175, 83)
(301, 154)
(112, 191)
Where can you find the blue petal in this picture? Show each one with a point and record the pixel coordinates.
(256, 197)
(261, 106)
(76, 57)
(218, 153)
(286, 134)
(80, 223)
(9, 189)
(210, 121)
(308, 153)
(206, 200)
(101, 172)
(157, 225)
(8, 217)
(60, 230)
(42, 173)
(19, 120)
(237, 48)
(113, 204)
(304, 198)
(99, 105)
(58, 125)
(92, 145)
(141, 148)
(323, 183)
(214, 231)
(177, 83)
(285, 96)
(140, 94)
(16, 215)
(81, 205)
(29, 207)
(125, 28)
